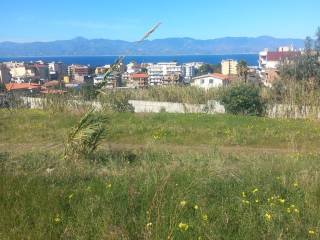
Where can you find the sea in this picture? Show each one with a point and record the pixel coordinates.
(94, 61)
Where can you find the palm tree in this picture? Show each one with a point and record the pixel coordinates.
(243, 70)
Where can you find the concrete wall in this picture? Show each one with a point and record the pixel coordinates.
(212, 107)
(156, 107)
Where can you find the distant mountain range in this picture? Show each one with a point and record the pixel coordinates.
(170, 46)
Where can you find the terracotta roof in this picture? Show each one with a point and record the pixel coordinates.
(139, 75)
(219, 76)
(279, 56)
(22, 86)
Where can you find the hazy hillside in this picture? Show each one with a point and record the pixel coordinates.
(170, 46)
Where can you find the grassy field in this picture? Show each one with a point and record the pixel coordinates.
(41, 128)
(161, 176)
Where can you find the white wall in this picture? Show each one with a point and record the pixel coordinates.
(207, 82)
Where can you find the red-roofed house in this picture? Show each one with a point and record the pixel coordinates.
(210, 81)
(23, 87)
(138, 80)
(272, 60)
(269, 62)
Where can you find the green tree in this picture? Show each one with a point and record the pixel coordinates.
(243, 70)
(209, 68)
(308, 46)
(317, 42)
(243, 99)
(2, 87)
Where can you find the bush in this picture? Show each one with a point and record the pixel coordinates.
(244, 99)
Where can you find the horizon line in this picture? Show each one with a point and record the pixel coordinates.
(166, 38)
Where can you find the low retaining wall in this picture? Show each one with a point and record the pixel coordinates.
(212, 107)
(156, 107)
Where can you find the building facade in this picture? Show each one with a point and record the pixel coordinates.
(229, 67)
(269, 61)
(208, 81)
(5, 76)
(78, 73)
(138, 80)
(164, 73)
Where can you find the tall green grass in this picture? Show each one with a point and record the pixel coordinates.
(158, 195)
(43, 129)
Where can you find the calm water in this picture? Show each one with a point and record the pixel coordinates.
(251, 59)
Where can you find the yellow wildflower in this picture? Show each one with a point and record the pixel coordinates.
(296, 185)
(311, 232)
(288, 210)
(282, 201)
(70, 196)
(296, 210)
(268, 216)
(183, 203)
(196, 207)
(183, 226)
(255, 190)
(108, 185)
(257, 201)
(245, 202)
(205, 217)
(57, 219)
(244, 194)
(149, 224)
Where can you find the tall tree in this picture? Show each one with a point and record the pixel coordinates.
(317, 42)
(243, 70)
(308, 45)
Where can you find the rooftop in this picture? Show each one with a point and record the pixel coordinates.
(22, 86)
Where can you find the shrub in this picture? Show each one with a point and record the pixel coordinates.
(244, 99)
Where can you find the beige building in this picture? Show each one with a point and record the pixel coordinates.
(229, 67)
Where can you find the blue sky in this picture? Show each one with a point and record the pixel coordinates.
(35, 20)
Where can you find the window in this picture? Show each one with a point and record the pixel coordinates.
(202, 81)
(211, 81)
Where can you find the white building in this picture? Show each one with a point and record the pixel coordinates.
(20, 72)
(272, 59)
(133, 68)
(196, 65)
(214, 80)
(164, 73)
(5, 76)
(189, 72)
(98, 79)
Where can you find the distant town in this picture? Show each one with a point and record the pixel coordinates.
(56, 77)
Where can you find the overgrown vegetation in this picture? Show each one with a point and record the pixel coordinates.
(181, 177)
(244, 99)
(160, 196)
(299, 79)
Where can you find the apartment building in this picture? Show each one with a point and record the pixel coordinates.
(164, 73)
(189, 71)
(229, 67)
(78, 73)
(57, 70)
(138, 80)
(5, 76)
(133, 67)
(102, 70)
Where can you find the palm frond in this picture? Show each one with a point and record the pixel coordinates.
(85, 137)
